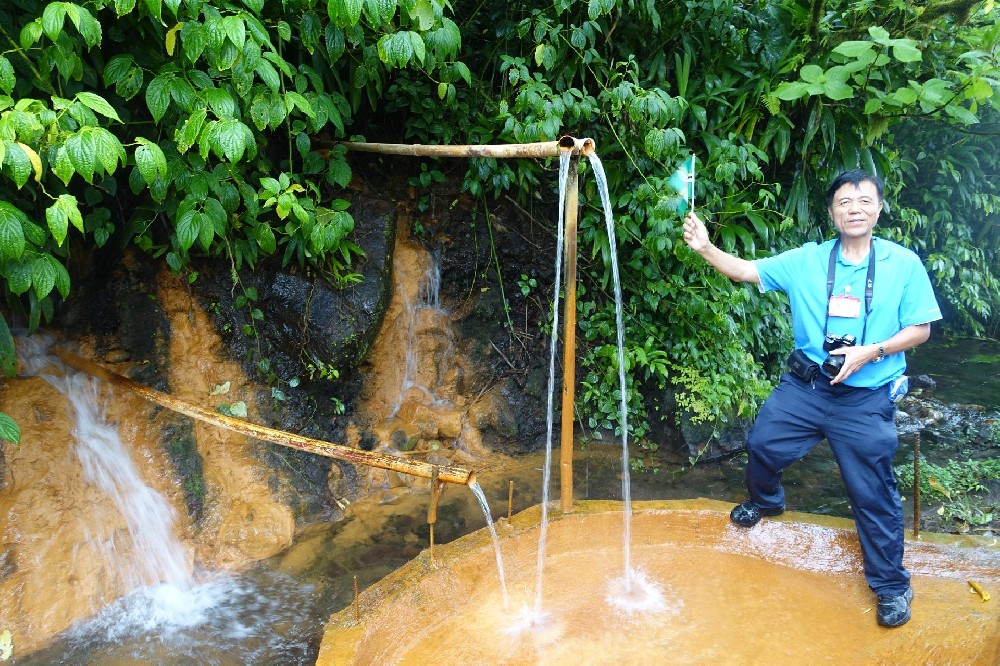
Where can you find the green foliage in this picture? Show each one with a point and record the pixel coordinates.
(960, 487)
(191, 127)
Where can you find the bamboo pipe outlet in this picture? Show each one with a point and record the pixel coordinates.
(540, 149)
(448, 474)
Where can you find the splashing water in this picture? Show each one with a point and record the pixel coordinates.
(481, 496)
(635, 593)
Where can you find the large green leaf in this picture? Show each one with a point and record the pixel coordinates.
(206, 230)
(7, 77)
(11, 234)
(43, 275)
(151, 162)
(154, 7)
(69, 205)
(229, 139)
(116, 68)
(235, 30)
(300, 102)
(98, 104)
(52, 19)
(264, 236)
(129, 85)
(221, 102)
(58, 221)
(269, 75)
(8, 363)
(187, 134)
(8, 427)
(188, 228)
(216, 215)
(19, 162)
(158, 96)
(350, 10)
(123, 7)
(109, 149)
(19, 276)
(63, 167)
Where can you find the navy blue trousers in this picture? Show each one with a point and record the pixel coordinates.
(860, 426)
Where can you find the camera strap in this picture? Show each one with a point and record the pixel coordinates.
(831, 274)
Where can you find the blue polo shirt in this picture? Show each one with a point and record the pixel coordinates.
(901, 296)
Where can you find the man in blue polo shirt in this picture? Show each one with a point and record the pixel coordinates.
(857, 303)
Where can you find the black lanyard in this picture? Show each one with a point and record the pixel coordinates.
(831, 274)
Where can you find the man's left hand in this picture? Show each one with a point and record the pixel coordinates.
(855, 358)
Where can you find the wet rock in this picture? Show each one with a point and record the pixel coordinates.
(439, 459)
(421, 417)
(450, 424)
(704, 446)
(462, 457)
(923, 381)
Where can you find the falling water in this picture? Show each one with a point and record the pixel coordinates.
(481, 496)
(154, 554)
(564, 162)
(427, 304)
(168, 614)
(602, 187)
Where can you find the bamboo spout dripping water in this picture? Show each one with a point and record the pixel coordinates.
(446, 474)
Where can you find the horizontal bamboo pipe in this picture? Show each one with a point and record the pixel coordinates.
(424, 470)
(541, 149)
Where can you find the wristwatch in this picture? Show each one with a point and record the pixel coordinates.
(881, 353)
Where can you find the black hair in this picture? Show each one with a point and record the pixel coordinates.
(854, 177)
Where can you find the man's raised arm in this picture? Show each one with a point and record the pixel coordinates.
(735, 268)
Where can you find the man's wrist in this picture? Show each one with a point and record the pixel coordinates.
(879, 353)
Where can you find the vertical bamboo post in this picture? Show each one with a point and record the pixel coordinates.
(510, 499)
(432, 511)
(916, 485)
(569, 339)
(357, 606)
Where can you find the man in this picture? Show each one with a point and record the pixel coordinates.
(840, 388)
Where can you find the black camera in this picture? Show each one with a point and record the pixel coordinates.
(834, 362)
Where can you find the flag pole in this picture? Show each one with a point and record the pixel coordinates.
(691, 176)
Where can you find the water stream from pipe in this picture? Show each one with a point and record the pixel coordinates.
(602, 188)
(485, 506)
(535, 615)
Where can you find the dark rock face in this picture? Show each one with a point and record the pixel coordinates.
(114, 299)
(484, 262)
(306, 318)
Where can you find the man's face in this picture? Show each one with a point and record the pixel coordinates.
(855, 209)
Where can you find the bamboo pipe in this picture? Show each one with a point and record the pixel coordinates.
(417, 468)
(569, 341)
(540, 149)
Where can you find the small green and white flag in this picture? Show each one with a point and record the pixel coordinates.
(683, 182)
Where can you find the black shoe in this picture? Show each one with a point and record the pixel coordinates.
(894, 609)
(749, 514)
